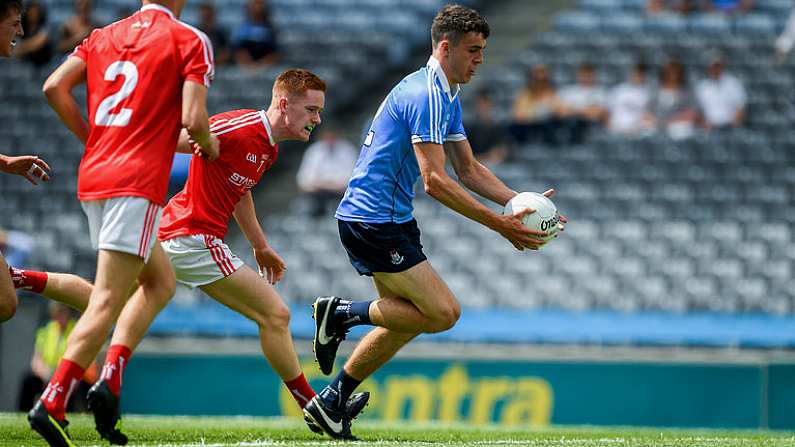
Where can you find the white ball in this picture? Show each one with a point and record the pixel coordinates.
(545, 218)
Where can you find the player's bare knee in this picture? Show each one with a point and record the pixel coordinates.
(168, 286)
(444, 318)
(106, 305)
(456, 309)
(280, 317)
(450, 318)
(277, 318)
(162, 286)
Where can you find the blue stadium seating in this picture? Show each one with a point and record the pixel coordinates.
(671, 242)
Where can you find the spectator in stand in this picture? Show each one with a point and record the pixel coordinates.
(654, 7)
(218, 36)
(583, 104)
(674, 107)
(77, 27)
(729, 6)
(721, 97)
(325, 170)
(689, 6)
(536, 108)
(628, 105)
(255, 41)
(786, 40)
(36, 47)
(486, 134)
(49, 348)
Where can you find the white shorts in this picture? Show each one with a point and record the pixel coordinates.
(200, 259)
(125, 224)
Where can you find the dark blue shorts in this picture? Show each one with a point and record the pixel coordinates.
(381, 247)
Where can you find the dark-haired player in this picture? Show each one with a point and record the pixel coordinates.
(414, 130)
(29, 166)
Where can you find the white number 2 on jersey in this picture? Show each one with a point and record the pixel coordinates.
(103, 116)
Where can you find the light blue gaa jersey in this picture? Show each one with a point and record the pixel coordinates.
(421, 108)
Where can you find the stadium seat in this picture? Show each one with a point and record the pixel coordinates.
(755, 25)
(601, 6)
(577, 23)
(669, 25)
(622, 24)
(774, 8)
(703, 224)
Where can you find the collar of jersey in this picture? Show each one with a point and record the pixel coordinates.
(437, 70)
(157, 7)
(267, 127)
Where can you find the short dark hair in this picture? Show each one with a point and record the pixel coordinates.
(454, 21)
(9, 6)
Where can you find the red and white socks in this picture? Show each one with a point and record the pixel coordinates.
(68, 375)
(63, 382)
(300, 389)
(115, 361)
(28, 279)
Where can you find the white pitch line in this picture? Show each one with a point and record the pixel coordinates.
(562, 441)
(322, 443)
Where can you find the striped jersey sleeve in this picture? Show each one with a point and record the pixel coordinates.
(423, 113)
(223, 123)
(197, 56)
(456, 131)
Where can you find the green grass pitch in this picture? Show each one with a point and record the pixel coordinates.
(247, 431)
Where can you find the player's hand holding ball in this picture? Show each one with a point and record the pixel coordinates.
(537, 215)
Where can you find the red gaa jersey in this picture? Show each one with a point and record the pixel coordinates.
(208, 199)
(136, 68)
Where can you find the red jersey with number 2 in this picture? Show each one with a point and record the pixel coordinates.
(208, 199)
(136, 68)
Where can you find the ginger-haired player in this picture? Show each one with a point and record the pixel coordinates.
(194, 224)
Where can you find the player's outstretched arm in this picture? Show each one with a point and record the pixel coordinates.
(29, 166)
(474, 175)
(58, 89)
(478, 178)
(196, 120)
(441, 187)
(271, 266)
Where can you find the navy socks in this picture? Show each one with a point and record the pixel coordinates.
(352, 313)
(336, 394)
